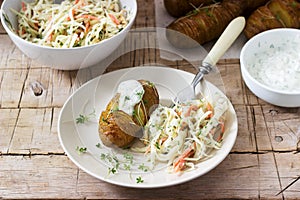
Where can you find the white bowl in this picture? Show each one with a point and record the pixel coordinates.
(279, 42)
(66, 58)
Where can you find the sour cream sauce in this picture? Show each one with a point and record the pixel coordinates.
(131, 92)
(278, 67)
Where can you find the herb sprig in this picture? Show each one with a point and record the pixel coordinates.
(81, 150)
(85, 118)
(139, 180)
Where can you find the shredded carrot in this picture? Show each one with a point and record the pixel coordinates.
(210, 108)
(162, 140)
(79, 3)
(23, 6)
(192, 107)
(88, 17)
(49, 39)
(179, 164)
(87, 26)
(147, 150)
(72, 13)
(36, 25)
(114, 19)
(23, 30)
(222, 126)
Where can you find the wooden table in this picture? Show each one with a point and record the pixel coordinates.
(264, 163)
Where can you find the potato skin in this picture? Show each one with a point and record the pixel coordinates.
(117, 127)
(150, 98)
(179, 8)
(261, 19)
(109, 131)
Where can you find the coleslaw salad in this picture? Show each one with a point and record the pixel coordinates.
(184, 134)
(73, 23)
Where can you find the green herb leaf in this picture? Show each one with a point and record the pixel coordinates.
(143, 167)
(98, 145)
(127, 167)
(128, 157)
(81, 150)
(140, 94)
(81, 119)
(127, 98)
(112, 170)
(139, 180)
(157, 145)
(84, 118)
(102, 156)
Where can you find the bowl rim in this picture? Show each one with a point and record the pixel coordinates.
(245, 69)
(12, 33)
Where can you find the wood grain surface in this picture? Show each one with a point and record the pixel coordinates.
(263, 164)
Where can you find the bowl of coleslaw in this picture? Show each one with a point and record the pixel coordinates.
(68, 34)
(270, 66)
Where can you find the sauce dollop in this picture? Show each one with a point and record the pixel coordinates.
(131, 92)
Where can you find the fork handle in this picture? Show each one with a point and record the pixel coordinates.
(232, 31)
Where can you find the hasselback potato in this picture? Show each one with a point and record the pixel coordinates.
(275, 14)
(208, 22)
(202, 26)
(120, 128)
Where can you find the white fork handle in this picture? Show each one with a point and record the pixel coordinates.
(232, 31)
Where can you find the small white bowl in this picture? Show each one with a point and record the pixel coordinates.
(66, 58)
(254, 57)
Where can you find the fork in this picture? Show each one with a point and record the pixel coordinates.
(232, 31)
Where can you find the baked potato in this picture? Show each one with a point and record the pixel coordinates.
(116, 127)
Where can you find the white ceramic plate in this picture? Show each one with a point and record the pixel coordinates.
(99, 161)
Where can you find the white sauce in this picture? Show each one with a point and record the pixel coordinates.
(278, 67)
(164, 120)
(131, 92)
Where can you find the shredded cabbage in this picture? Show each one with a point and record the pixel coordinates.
(186, 133)
(73, 23)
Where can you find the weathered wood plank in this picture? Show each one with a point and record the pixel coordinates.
(45, 87)
(56, 177)
(232, 82)
(62, 86)
(36, 132)
(11, 87)
(8, 120)
(10, 56)
(38, 88)
(245, 141)
(260, 130)
(37, 177)
(283, 127)
(145, 16)
(289, 171)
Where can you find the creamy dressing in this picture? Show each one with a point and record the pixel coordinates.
(131, 92)
(164, 125)
(278, 67)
